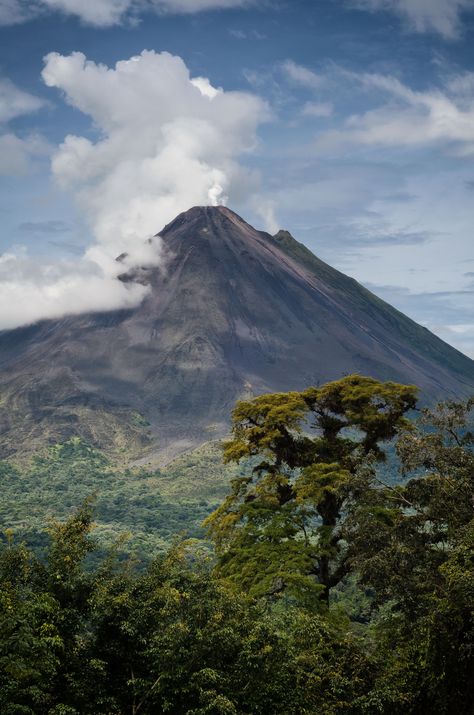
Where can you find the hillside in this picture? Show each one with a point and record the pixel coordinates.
(149, 509)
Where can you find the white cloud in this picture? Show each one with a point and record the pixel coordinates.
(247, 34)
(105, 13)
(14, 102)
(412, 118)
(101, 13)
(177, 6)
(317, 109)
(168, 142)
(33, 290)
(13, 12)
(205, 87)
(17, 153)
(300, 75)
(441, 16)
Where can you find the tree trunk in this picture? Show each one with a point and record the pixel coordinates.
(324, 578)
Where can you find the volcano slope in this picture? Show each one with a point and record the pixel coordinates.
(230, 312)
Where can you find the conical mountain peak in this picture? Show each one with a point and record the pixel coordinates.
(208, 219)
(235, 311)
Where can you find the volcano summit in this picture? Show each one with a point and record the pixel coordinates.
(230, 312)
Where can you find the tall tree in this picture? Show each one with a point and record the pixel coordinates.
(414, 545)
(280, 529)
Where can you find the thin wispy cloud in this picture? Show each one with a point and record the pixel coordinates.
(14, 102)
(440, 16)
(18, 152)
(106, 13)
(317, 109)
(300, 75)
(46, 227)
(247, 34)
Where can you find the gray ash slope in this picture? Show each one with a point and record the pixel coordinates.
(233, 312)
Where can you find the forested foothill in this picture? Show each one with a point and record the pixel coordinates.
(322, 583)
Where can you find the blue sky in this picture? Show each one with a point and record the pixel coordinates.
(351, 123)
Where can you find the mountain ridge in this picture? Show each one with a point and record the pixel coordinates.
(290, 244)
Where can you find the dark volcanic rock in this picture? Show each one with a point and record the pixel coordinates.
(231, 312)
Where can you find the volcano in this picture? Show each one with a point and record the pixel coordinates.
(230, 312)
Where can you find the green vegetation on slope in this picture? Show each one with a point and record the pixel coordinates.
(152, 508)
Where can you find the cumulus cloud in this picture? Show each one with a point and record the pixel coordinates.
(440, 16)
(413, 118)
(105, 13)
(168, 142)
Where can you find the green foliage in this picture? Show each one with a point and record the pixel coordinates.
(414, 545)
(281, 531)
(86, 631)
(170, 639)
(144, 510)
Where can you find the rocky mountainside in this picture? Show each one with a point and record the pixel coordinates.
(231, 312)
